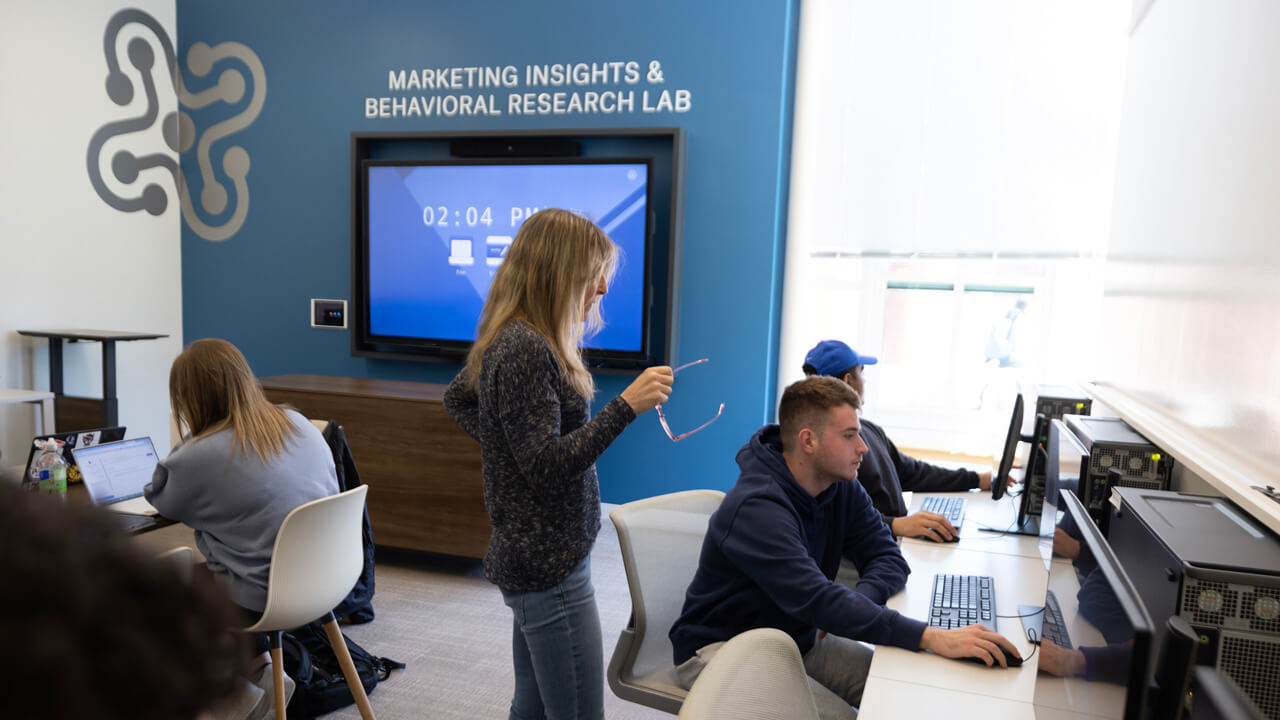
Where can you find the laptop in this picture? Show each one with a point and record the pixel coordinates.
(72, 440)
(115, 474)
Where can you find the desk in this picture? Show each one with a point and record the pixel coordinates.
(920, 683)
(45, 399)
(885, 698)
(981, 511)
(82, 413)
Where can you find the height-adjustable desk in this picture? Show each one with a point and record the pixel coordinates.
(76, 413)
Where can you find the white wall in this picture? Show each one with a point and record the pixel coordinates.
(67, 259)
(1192, 297)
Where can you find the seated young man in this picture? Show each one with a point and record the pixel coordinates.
(885, 472)
(773, 547)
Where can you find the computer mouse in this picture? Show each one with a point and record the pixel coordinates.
(938, 537)
(1013, 660)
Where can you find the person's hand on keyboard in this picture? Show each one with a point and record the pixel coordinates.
(1059, 661)
(924, 524)
(984, 481)
(1064, 545)
(974, 641)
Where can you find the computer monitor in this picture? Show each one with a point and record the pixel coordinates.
(1103, 665)
(1173, 674)
(1037, 507)
(1034, 482)
(1010, 450)
(1214, 696)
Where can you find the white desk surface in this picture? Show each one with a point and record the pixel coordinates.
(44, 397)
(12, 395)
(896, 699)
(981, 511)
(1018, 581)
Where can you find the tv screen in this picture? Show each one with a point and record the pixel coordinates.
(436, 232)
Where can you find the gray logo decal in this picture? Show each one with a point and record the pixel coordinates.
(177, 128)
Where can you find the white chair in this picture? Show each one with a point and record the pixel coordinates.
(757, 675)
(180, 558)
(660, 538)
(317, 559)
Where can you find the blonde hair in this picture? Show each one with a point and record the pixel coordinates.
(212, 388)
(557, 257)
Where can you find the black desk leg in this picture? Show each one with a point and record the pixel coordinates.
(110, 405)
(55, 365)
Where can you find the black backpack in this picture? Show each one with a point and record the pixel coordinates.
(320, 685)
(357, 608)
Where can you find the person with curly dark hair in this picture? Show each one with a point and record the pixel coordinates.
(95, 628)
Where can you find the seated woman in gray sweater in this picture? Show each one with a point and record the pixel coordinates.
(242, 466)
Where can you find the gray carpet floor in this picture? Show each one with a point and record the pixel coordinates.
(448, 624)
(441, 617)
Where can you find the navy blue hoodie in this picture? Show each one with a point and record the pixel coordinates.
(770, 558)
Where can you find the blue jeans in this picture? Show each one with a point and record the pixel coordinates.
(557, 650)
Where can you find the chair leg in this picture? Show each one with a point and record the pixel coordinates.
(277, 672)
(348, 667)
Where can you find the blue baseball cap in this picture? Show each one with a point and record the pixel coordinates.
(834, 358)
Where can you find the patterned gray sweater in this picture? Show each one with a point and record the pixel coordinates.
(538, 448)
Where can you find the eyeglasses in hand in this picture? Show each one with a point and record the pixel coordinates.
(663, 418)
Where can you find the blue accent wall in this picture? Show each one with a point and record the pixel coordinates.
(322, 59)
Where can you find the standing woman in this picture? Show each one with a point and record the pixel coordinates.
(245, 465)
(524, 396)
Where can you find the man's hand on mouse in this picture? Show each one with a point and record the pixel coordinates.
(925, 524)
(973, 641)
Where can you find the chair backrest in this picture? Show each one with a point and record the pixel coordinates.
(180, 559)
(757, 675)
(317, 558)
(661, 539)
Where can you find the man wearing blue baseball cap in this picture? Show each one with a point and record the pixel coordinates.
(885, 472)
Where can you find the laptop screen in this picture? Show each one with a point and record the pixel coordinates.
(118, 470)
(74, 439)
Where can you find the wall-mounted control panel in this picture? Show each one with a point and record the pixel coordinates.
(329, 314)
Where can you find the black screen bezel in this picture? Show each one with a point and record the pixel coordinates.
(456, 350)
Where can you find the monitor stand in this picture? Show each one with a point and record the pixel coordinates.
(1026, 522)
(1026, 526)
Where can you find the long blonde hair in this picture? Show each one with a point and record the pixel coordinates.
(557, 257)
(212, 389)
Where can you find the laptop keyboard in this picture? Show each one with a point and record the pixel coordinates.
(962, 600)
(1054, 627)
(133, 523)
(952, 508)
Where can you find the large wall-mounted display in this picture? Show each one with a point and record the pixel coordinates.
(433, 216)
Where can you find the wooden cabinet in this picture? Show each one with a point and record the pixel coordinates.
(422, 470)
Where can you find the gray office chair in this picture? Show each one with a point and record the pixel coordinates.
(660, 538)
(758, 675)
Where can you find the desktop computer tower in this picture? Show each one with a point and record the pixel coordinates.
(1114, 446)
(1204, 559)
(1054, 401)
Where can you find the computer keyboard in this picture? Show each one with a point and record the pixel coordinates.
(1054, 627)
(962, 600)
(952, 508)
